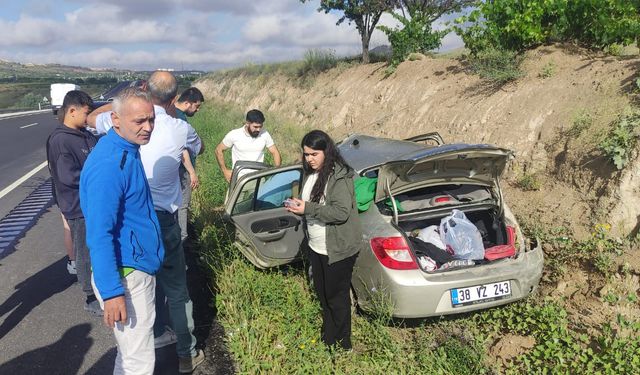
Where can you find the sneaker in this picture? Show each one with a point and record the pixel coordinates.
(167, 338)
(93, 307)
(71, 267)
(188, 364)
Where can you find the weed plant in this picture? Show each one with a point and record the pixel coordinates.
(529, 182)
(581, 122)
(548, 70)
(497, 66)
(621, 140)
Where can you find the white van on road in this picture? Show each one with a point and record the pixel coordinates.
(58, 91)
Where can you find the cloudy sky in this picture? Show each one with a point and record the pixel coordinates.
(179, 34)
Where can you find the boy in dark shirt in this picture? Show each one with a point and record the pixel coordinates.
(67, 149)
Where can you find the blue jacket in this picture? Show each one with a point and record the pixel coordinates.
(122, 226)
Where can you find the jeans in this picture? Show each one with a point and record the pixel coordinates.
(136, 353)
(183, 211)
(83, 260)
(172, 279)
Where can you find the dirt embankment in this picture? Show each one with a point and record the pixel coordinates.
(553, 118)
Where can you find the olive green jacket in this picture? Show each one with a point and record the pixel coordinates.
(339, 213)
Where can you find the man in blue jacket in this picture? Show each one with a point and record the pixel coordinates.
(123, 232)
(67, 149)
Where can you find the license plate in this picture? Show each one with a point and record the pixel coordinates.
(480, 293)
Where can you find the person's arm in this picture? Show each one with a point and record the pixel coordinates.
(186, 161)
(337, 207)
(67, 171)
(277, 160)
(91, 119)
(194, 143)
(220, 158)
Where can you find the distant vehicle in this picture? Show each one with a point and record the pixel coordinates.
(107, 96)
(58, 91)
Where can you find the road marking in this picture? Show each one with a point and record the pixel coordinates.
(10, 116)
(22, 179)
(26, 126)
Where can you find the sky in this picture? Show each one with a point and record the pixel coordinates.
(179, 34)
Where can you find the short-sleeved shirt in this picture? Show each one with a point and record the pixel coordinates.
(162, 156)
(245, 147)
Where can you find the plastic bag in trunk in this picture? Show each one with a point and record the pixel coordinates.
(461, 237)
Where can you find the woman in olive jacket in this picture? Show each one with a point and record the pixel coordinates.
(333, 231)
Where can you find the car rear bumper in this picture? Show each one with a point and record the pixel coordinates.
(416, 294)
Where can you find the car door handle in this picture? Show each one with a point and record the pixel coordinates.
(273, 235)
(283, 223)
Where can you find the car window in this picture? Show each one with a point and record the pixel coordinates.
(244, 203)
(268, 192)
(274, 189)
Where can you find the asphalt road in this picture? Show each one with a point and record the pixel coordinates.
(22, 144)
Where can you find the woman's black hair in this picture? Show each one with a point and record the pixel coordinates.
(319, 140)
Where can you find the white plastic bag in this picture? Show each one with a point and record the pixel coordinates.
(430, 235)
(461, 236)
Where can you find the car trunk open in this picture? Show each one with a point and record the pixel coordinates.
(461, 163)
(425, 187)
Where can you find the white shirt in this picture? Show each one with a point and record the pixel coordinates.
(315, 229)
(244, 147)
(162, 156)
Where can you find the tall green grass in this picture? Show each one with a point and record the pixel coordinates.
(272, 319)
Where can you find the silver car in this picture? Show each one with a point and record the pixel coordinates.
(417, 185)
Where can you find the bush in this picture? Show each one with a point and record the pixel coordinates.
(497, 65)
(30, 100)
(519, 25)
(415, 35)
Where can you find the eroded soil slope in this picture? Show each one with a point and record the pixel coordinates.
(553, 118)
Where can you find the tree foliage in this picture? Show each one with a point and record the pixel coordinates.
(416, 33)
(519, 25)
(364, 13)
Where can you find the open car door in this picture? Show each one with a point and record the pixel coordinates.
(266, 233)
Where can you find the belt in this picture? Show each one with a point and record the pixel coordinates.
(164, 212)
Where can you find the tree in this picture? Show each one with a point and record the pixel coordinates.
(416, 33)
(364, 13)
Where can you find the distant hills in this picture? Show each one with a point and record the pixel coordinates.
(16, 72)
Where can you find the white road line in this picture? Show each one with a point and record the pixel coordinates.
(22, 179)
(26, 126)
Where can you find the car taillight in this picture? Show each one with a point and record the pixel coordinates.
(394, 253)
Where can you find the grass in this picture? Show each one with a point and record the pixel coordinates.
(497, 66)
(272, 320)
(529, 182)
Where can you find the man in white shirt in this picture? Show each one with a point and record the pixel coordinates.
(247, 143)
(161, 158)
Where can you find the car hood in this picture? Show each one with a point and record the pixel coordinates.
(480, 163)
